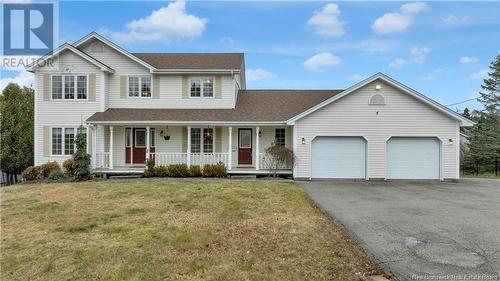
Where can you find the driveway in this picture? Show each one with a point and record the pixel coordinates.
(420, 230)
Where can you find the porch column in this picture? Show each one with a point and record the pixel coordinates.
(257, 155)
(147, 143)
(230, 149)
(189, 146)
(94, 147)
(111, 147)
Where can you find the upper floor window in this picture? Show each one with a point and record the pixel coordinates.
(279, 136)
(69, 87)
(202, 87)
(139, 86)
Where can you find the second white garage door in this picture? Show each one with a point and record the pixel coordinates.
(338, 157)
(413, 158)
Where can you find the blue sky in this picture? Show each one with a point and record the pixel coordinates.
(441, 49)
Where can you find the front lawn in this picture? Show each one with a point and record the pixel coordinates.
(171, 230)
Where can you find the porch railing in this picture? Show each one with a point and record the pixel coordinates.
(102, 160)
(196, 158)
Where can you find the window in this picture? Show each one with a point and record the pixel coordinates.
(57, 87)
(377, 100)
(69, 141)
(128, 137)
(81, 87)
(279, 136)
(57, 141)
(208, 143)
(139, 87)
(202, 87)
(69, 87)
(64, 140)
(140, 138)
(195, 140)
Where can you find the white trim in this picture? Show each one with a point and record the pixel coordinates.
(140, 86)
(94, 35)
(135, 137)
(194, 71)
(464, 121)
(111, 146)
(188, 146)
(163, 122)
(457, 151)
(148, 144)
(63, 140)
(33, 66)
(230, 148)
(257, 150)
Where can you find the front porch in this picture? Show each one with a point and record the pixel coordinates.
(123, 149)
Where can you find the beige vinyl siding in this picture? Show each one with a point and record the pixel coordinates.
(61, 113)
(351, 115)
(171, 86)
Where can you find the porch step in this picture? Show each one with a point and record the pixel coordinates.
(244, 177)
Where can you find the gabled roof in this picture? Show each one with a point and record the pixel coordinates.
(190, 61)
(67, 47)
(274, 106)
(95, 35)
(463, 121)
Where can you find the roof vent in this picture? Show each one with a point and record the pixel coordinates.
(377, 99)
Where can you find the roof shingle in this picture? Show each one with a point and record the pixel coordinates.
(251, 106)
(193, 60)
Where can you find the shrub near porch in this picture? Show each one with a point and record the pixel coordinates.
(154, 229)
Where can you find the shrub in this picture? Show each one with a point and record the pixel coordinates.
(69, 168)
(278, 157)
(161, 171)
(195, 171)
(56, 174)
(31, 173)
(48, 167)
(82, 158)
(218, 170)
(150, 168)
(178, 171)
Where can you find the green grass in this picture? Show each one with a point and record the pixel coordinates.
(483, 176)
(171, 230)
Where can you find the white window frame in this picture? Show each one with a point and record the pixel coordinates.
(140, 86)
(284, 136)
(75, 89)
(63, 139)
(135, 138)
(202, 141)
(201, 86)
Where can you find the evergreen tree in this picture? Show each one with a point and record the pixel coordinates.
(82, 158)
(466, 113)
(16, 130)
(490, 96)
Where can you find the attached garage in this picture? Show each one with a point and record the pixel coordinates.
(413, 158)
(338, 157)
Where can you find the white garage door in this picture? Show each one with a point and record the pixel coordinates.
(413, 158)
(338, 157)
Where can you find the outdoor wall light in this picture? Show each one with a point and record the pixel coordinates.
(378, 87)
(450, 141)
(303, 140)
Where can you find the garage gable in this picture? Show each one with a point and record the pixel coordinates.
(376, 82)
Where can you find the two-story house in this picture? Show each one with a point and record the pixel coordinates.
(195, 109)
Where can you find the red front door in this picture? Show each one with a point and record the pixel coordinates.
(135, 144)
(245, 146)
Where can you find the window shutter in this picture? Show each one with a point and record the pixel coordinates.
(156, 86)
(185, 87)
(46, 141)
(92, 87)
(218, 138)
(46, 87)
(218, 87)
(184, 139)
(123, 87)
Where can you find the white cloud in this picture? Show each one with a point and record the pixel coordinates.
(480, 75)
(321, 60)
(226, 40)
(326, 22)
(467, 59)
(434, 74)
(259, 74)
(163, 24)
(398, 22)
(419, 54)
(455, 20)
(397, 63)
(24, 78)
